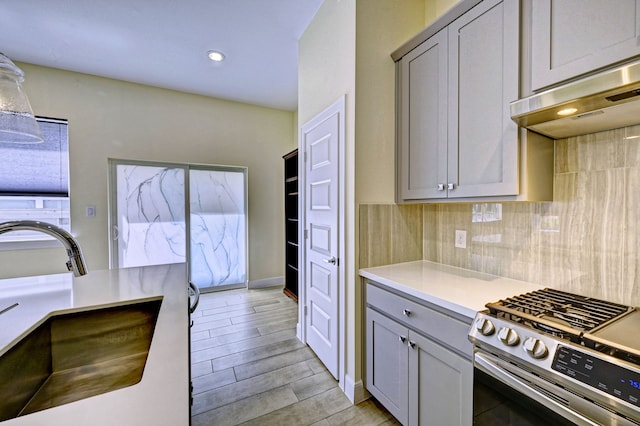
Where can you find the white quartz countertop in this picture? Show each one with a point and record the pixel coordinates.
(456, 289)
(162, 396)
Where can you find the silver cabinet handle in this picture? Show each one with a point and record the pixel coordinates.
(406, 312)
(451, 186)
(412, 345)
(403, 338)
(332, 260)
(441, 187)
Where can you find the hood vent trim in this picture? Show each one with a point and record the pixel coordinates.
(604, 101)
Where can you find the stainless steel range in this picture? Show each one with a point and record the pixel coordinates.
(561, 357)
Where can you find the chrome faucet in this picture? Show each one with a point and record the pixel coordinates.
(76, 260)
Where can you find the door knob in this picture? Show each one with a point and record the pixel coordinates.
(332, 260)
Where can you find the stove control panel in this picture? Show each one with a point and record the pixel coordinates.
(535, 348)
(514, 340)
(605, 376)
(485, 326)
(508, 336)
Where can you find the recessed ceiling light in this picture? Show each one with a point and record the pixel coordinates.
(215, 56)
(567, 111)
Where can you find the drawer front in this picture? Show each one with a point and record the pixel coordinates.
(450, 331)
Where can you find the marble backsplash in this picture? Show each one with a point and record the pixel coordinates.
(586, 241)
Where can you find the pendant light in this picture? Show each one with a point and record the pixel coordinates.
(17, 123)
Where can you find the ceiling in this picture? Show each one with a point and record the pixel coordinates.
(164, 43)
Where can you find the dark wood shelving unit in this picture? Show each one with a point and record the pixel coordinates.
(291, 224)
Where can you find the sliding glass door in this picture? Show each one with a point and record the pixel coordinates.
(218, 220)
(153, 217)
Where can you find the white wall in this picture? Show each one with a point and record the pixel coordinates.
(114, 119)
(433, 9)
(326, 71)
(346, 50)
(381, 27)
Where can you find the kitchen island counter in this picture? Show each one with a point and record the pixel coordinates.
(455, 289)
(162, 395)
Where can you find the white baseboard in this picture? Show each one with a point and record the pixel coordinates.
(355, 391)
(266, 282)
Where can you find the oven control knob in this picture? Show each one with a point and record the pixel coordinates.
(485, 327)
(508, 336)
(535, 348)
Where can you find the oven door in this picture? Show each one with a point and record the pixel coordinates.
(505, 394)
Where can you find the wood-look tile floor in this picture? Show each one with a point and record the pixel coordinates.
(248, 367)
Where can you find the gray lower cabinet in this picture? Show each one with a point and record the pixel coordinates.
(388, 364)
(440, 384)
(410, 367)
(574, 37)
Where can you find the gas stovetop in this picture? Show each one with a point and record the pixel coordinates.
(597, 324)
(564, 315)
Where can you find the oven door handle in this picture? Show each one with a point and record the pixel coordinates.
(484, 363)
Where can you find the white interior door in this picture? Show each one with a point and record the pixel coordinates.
(321, 141)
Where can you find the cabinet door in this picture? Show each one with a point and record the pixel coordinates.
(573, 37)
(387, 363)
(440, 384)
(422, 113)
(483, 80)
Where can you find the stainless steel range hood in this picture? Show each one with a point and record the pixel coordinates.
(607, 100)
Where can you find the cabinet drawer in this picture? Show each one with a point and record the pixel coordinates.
(448, 330)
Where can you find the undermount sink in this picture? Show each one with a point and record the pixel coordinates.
(77, 355)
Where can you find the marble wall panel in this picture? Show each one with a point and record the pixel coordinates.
(511, 240)
(459, 216)
(631, 144)
(375, 235)
(597, 151)
(390, 234)
(430, 240)
(585, 254)
(629, 289)
(406, 233)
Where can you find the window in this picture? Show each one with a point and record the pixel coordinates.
(34, 184)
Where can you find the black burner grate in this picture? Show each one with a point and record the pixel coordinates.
(559, 313)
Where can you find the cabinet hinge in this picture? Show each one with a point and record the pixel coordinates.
(305, 156)
(306, 234)
(304, 309)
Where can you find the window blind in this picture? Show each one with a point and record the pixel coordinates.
(37, 169)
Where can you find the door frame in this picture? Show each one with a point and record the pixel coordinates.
(338, 107)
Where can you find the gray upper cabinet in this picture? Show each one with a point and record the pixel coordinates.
(423, 119)
(574, 37)
(483, 79)
(456, 139)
